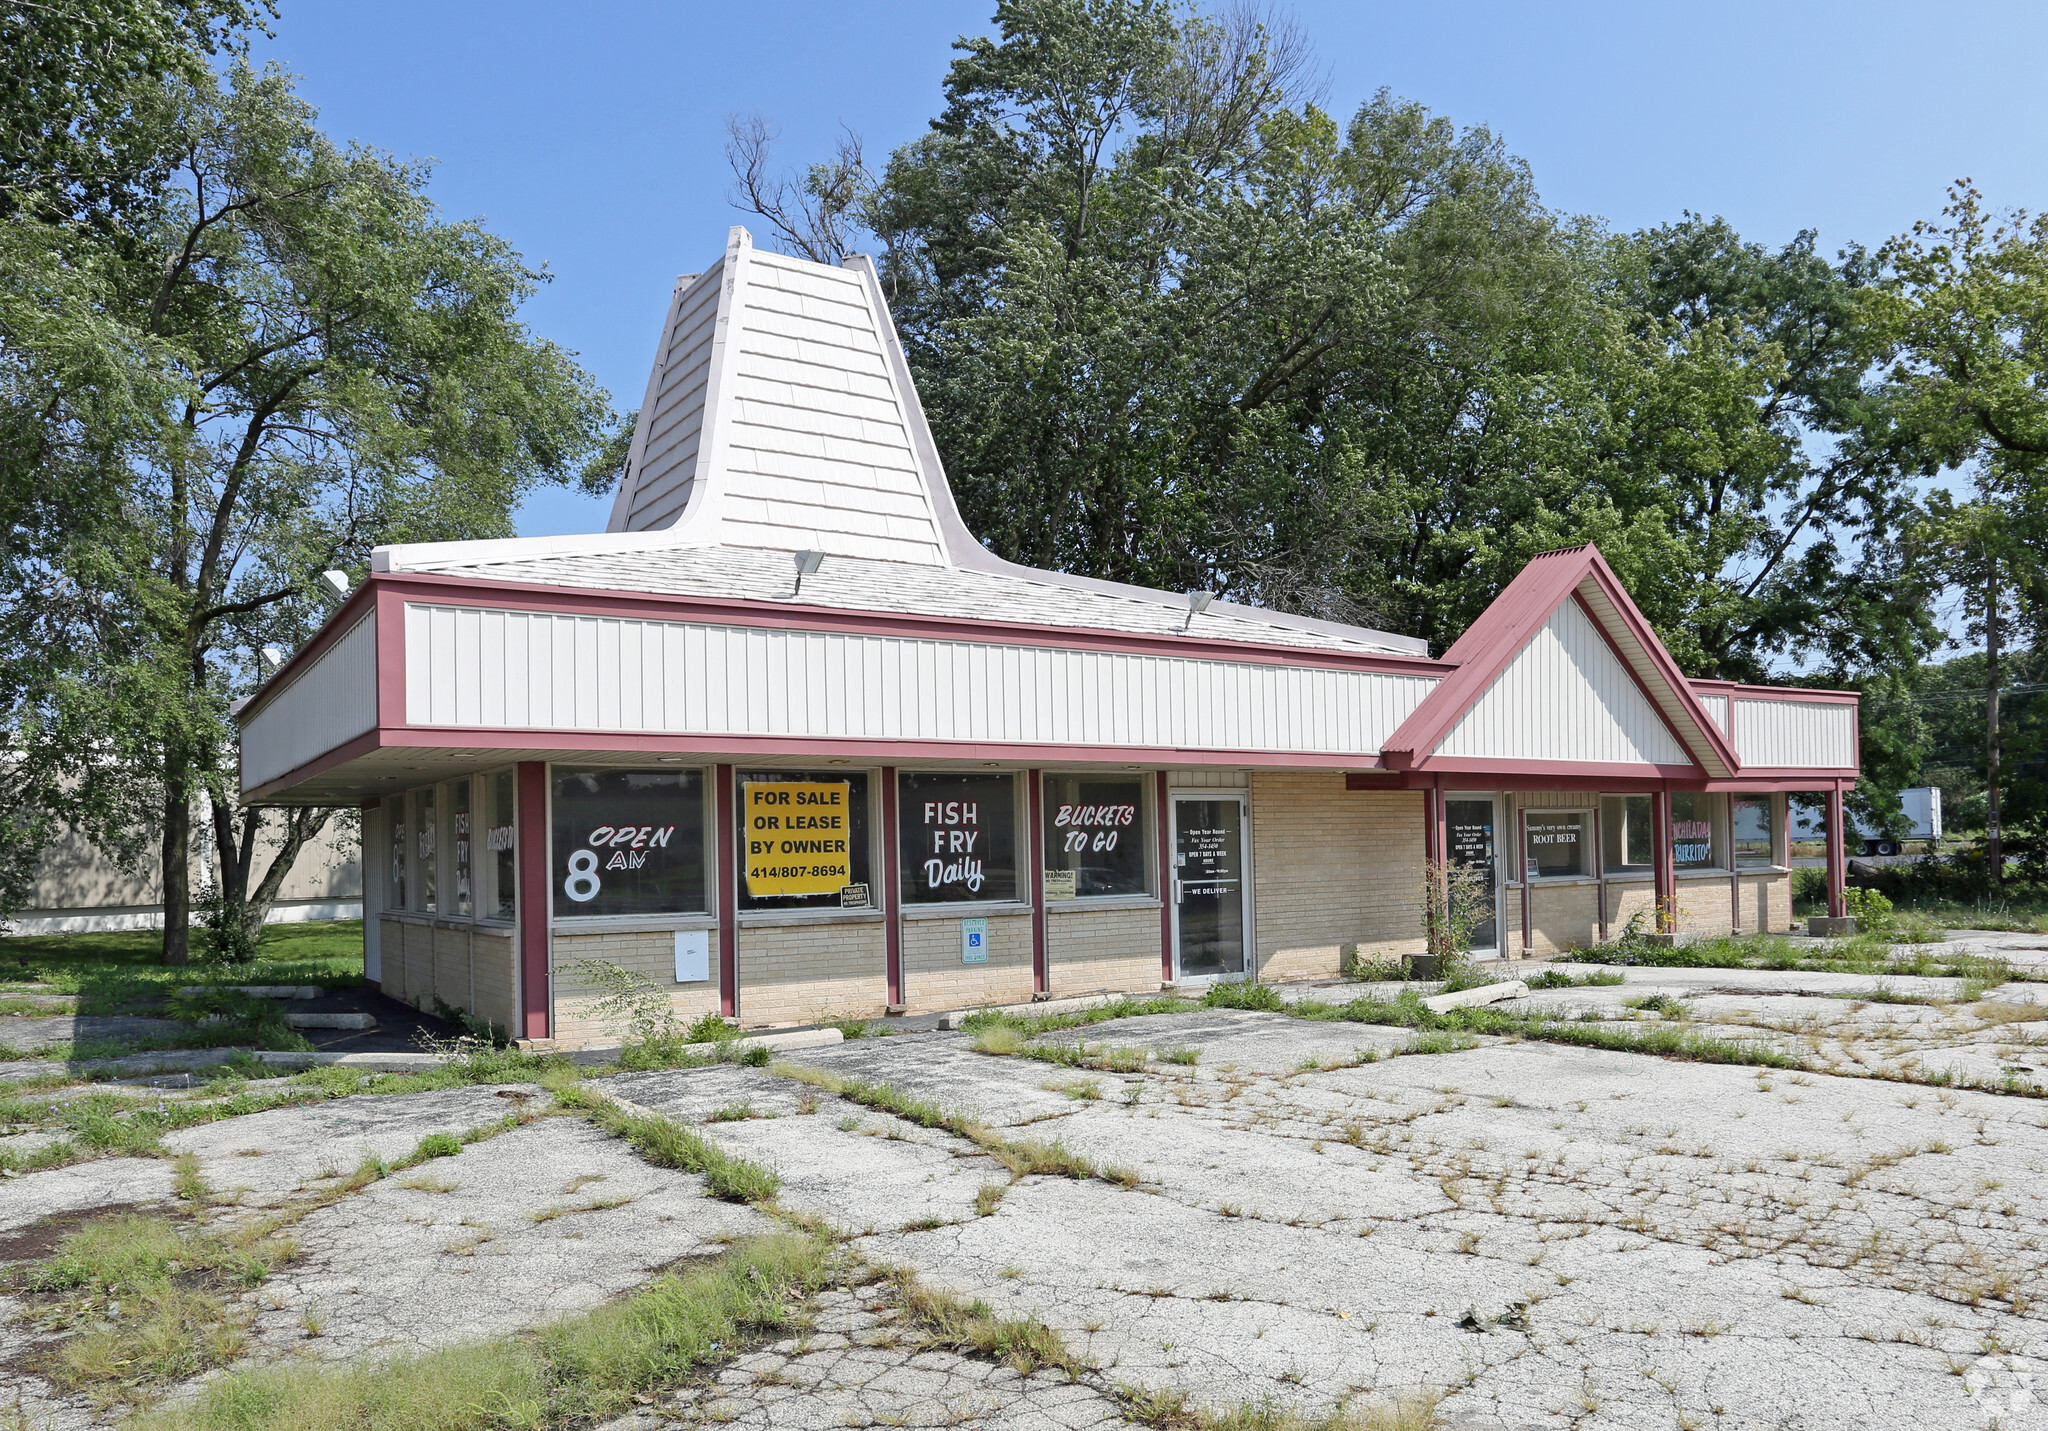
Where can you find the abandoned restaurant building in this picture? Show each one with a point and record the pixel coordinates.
(790, 741)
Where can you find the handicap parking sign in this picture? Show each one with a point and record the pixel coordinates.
(974, 941)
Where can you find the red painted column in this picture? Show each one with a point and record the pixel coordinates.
(535, 912)
(1838, 872)
(725, 839)
(1162, 816)
(892, 891)
(1041, 968)
(1600, 870)
(1664, 876)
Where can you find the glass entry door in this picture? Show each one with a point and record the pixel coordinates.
(1469, 832)
(1208, 884)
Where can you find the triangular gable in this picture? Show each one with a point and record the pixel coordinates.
(1562, 668)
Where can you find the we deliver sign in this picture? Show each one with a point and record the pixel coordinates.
(797, 837)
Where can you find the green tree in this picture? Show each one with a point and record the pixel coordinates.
(331, 364)
(1176, 324)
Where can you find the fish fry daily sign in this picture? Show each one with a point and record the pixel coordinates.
(797, 837)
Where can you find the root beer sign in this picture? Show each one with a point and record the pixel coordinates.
(797, 837)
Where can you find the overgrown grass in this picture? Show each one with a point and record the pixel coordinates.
(668, 1144)
(1563, 979)
(146, 1299)
(1176, 1411)
(1863, 954)
(111, 972)
(1031, 1025)
(569, 1373)
(958, 1324)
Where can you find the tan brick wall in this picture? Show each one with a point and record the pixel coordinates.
(650, 953)
(1705, 908)
(426, 965)
(1333, 867)
(1625, 900)
(934, 978)
(1767, 904)
(1101, 949)
(1562, 916)
(806, 973)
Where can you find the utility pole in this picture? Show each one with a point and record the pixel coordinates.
(1994, 850)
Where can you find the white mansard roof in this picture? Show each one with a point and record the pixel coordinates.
(780, 416)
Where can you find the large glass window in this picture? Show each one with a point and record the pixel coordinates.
(1694, 838)
(394, 814)
(1095, 836)
(1555, 845)
(803, 840)
(629, 842)
(426, 827)
(1628, 834)
(1755, 830)
(501, 843)
(463, 902)
(958, 836)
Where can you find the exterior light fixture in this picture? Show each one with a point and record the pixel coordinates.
(669, 759)
(333, 587)
(1198, 602)
(806, 563)
(271, 660)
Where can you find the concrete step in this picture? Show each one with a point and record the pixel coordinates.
(331, 1021)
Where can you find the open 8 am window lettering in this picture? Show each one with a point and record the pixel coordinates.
(628, 842)
(959, 836)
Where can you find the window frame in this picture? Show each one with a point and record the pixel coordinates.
(1611, 830)
(1148, 815)
(808, 913)
(1720, 836)
(678, 919)
(1020, 821)
(1779, 834)
(483, 859)
(1588, 818)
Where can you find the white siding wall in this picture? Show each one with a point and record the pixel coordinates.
(819, 451)
(1789, 732)
(474, 667)
(1717, 707)
(675, 420)
(331, 701)
(1565, 697)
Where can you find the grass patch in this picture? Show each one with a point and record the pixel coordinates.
(1031, 1025)
(1175, 1411)
(572, 1372)
(111, 972)
(1862, 954)
(668, 1144)
(1563, 979)
(1262, 997)
(957, 1324)
(146, 1302)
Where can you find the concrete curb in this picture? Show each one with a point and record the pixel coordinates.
(170, 1060)
(1471, 998)
(419, 1062)
(258, 991)
(956, 1017)
(773, 1042)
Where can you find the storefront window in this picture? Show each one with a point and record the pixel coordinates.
(1094, 836)
(958, 836)
(394, 811)
(1755, 831)
(1693, 836)
(1555, 846)
(459, 794)
(425, 826)
(501, 844)
(803, 840)
(629, 842)
(1628, 833)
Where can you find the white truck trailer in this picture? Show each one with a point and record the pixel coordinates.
(1922, 805)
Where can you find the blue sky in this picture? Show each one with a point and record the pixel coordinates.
(591, 135)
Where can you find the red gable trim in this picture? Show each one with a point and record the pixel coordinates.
(1507, 626)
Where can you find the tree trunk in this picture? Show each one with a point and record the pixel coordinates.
(1994, 846)
(300, 828)
(177, 855)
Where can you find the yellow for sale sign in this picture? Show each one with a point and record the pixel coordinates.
(798, 837)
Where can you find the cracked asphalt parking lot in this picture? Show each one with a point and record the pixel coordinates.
(1303, 1215)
